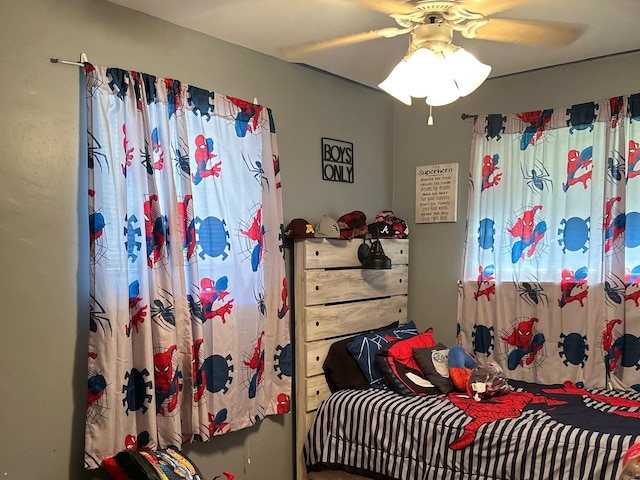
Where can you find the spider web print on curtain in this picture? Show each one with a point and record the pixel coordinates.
(550, 285)
(189, 326)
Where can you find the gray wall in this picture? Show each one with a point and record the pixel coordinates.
(436, 249)
(43, 214)
(43, 232)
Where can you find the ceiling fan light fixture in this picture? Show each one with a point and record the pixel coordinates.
(443, 97)
(420, 79)
(442, 75)
(396, 83)
(412, 76)
(469, 73)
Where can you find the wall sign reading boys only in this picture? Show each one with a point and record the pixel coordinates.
(337, 160)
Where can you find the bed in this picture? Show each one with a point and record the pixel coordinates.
(535, 432)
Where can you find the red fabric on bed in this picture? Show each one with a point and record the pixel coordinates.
(400, 369)
(113, 469)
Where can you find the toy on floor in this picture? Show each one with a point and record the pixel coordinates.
(161, 464)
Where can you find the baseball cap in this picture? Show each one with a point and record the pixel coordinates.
(299, 228)
(353, 224)
(327, 227)
(387, 225)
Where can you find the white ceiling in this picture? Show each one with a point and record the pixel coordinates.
(612, 26)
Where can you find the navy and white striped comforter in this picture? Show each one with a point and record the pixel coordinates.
(385, 435)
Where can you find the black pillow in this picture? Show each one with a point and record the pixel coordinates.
(342, 370)
(365, 347)
(433, 361)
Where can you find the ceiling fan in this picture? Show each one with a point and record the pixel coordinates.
(429, 21)
(433, 67)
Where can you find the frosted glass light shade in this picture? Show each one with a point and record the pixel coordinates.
(442, 77)
(396, 83)
(467, 70)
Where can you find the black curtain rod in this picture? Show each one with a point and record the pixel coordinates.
(83, 59)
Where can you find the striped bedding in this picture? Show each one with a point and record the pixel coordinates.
(555, 432)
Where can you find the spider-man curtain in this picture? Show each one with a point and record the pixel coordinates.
(550, 283)
(189, 332)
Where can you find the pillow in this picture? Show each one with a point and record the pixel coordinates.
(434, 364)
(399, 368)
(340, 368)
(364, 349)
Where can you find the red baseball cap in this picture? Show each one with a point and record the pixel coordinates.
(299, 228)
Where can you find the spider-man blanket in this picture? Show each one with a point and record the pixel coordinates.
(536, 432)
(611, 412)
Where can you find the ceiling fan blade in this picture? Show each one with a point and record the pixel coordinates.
(342, 41)
(389, 6)
(489, 7)
(527, 32)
